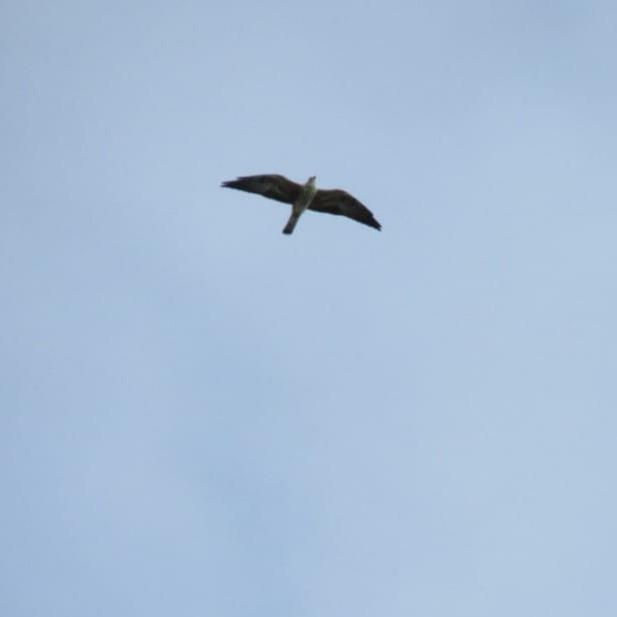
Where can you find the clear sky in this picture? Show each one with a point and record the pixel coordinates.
(201, 416)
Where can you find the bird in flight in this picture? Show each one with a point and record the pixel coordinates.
(303, 197)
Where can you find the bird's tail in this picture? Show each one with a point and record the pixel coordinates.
(291, 223)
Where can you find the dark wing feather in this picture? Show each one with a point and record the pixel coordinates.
(271, 186)
(340, 202)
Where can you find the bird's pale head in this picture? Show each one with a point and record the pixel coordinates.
(312, 180)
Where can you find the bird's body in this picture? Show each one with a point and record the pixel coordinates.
(303, 197)
(307, 195)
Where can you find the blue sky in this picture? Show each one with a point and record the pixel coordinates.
(201, 416)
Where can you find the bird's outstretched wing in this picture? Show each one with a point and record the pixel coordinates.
(271, 186)
(340, 202)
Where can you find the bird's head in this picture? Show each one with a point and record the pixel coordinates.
(312, 180)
